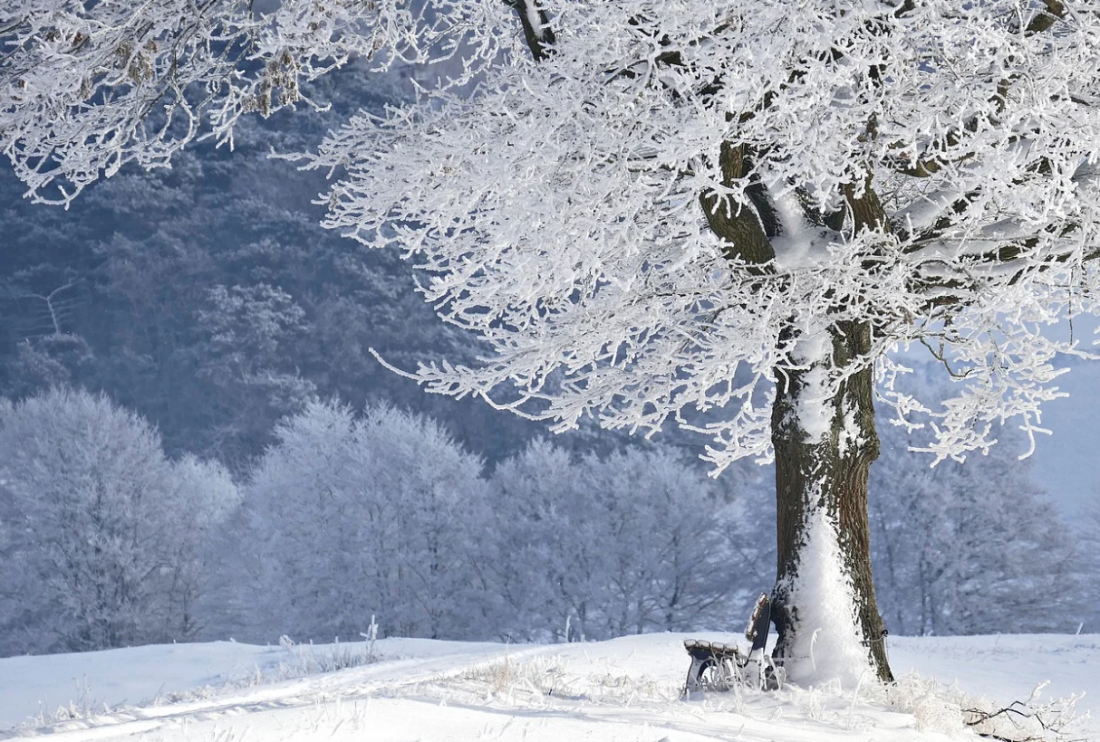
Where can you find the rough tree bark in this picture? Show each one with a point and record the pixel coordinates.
(832, 474)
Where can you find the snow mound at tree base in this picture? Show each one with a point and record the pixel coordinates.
(627, 689)
(827, 643)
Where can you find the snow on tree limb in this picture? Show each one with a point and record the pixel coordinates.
(87, 87)
(640, 224)
(644, 221)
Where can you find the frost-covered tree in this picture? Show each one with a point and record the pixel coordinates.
(205, 497)
(247, 330)
(105, 538)
(432, 488)
(651, 208)
(974, 548)
(592, 548)
(349, 517)
(1088, 534)
(741, 209)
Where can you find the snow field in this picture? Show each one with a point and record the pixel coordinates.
(624, 689)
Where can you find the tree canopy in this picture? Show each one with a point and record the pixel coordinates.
(690, 193)
(917, 166)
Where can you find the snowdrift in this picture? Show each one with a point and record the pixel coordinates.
(625, 689)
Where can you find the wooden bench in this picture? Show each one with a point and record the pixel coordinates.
(718, 666)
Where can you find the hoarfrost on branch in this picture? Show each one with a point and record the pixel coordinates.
(650, 211)
(926, 169)
(86, 88)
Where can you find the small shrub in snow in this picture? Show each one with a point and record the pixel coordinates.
(1033, 720)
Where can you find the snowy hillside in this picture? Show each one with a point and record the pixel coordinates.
(624, 689)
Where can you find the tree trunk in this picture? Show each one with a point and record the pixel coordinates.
(821, 467)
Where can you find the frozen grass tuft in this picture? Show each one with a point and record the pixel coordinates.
(933, 707)
(543, 676)
(75, 710)
(950, 710)
(545, 681)
(306, 659)
(71, 712)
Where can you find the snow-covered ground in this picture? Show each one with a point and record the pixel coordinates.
(626, 689)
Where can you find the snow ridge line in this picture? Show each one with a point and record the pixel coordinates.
(350, 684)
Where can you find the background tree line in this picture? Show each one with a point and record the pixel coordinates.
(107, 541)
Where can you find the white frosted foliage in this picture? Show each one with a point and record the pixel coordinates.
(827, 643)
(86, 88)
(557, 213)
(924, 170)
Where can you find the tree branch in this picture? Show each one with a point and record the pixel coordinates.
(1055, 11)
(742, 228)
(868, 213)
(536, 27)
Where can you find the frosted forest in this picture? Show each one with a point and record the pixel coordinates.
(352, 515)
(543, 322)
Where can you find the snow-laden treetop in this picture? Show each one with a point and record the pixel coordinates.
(651, 206)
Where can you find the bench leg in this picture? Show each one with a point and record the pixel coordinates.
(699, 665)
